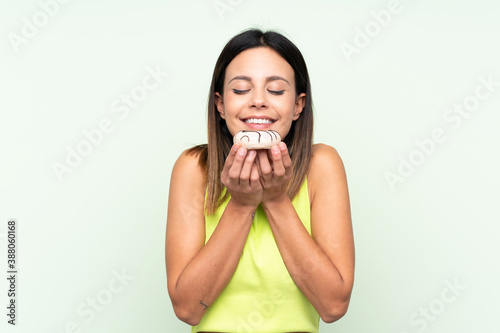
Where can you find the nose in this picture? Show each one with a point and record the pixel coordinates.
(258, 100)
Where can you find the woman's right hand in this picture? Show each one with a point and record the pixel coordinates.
(241, 177)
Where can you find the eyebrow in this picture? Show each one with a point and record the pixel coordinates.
(268, 79)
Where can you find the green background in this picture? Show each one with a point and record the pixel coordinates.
(439, 226)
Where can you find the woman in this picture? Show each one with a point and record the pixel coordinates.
(259, 240)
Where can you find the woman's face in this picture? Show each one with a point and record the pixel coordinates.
(259, 93)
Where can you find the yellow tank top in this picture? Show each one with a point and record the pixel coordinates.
(261, 296)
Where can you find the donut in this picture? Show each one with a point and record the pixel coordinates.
(257, 139)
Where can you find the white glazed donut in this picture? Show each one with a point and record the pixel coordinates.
(257, 139)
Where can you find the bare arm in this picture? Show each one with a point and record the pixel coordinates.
(322, 266)
(198, 273)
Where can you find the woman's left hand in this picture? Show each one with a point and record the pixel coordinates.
(275, 168)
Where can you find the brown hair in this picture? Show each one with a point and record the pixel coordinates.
(212, 156)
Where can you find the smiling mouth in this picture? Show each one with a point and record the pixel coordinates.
(258, 121)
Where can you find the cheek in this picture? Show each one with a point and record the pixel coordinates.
(287, 108)
(233, 105)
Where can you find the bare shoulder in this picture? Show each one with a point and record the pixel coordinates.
(187, 167)
(322, 152)
(326, 169)
(325, 159)
(187, 185)
(188, 158)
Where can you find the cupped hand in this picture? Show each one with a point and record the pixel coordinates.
(240, 176)
(275, 169)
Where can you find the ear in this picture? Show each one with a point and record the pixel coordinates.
(300, 102)
(219, 102)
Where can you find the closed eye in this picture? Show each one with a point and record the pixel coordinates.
(240, 92)
(276, 92)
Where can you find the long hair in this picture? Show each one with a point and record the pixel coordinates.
(212, 156)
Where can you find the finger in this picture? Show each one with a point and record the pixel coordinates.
(266, 170)
(247, 168)
(255, 177)
(287, 161)
(270, 157)
(278, 167)
(229, 160)
(235, 169)
(257, 164)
